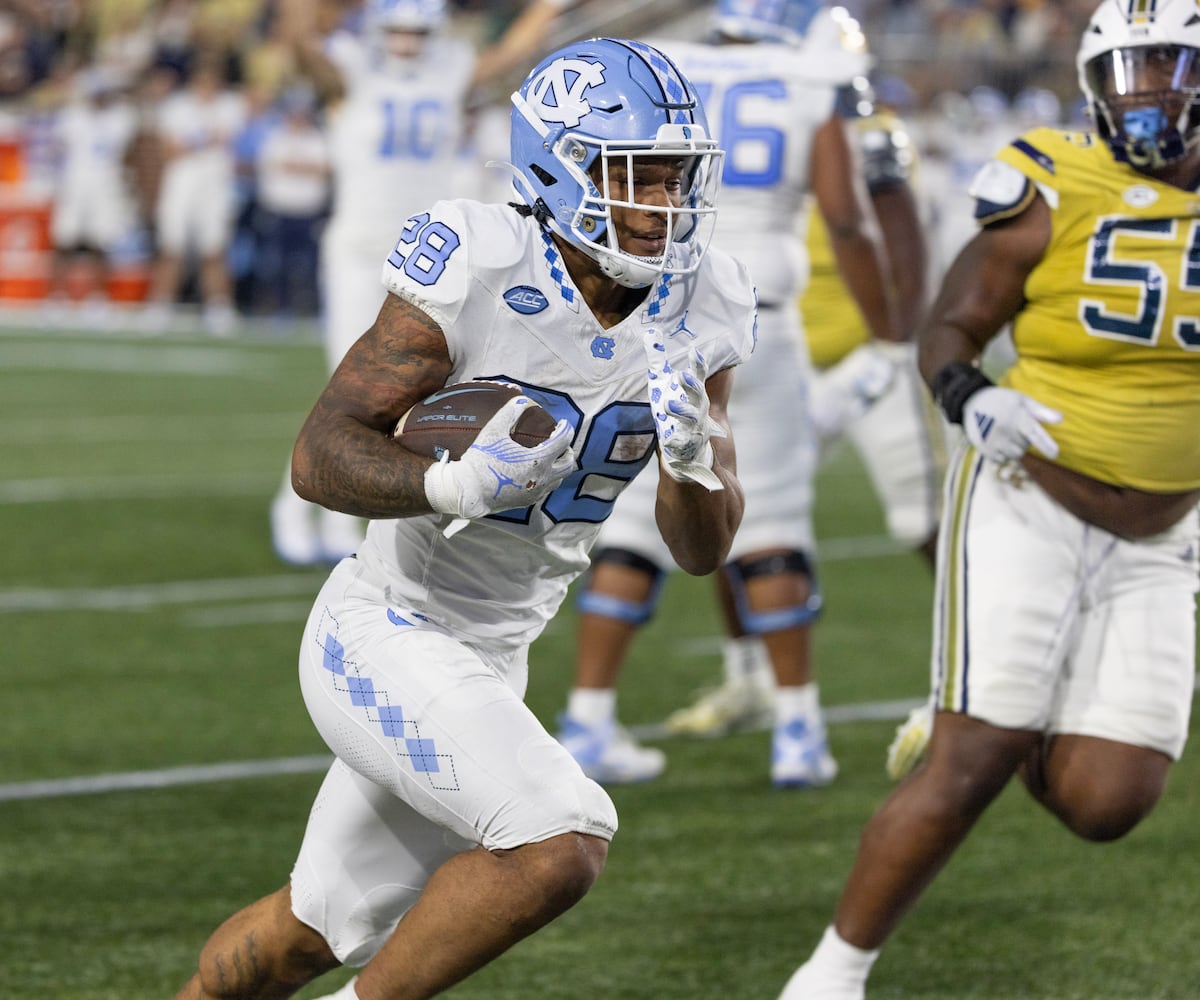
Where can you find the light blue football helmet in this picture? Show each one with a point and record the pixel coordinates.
(784, 21)
(611, 100)
(1139, 68)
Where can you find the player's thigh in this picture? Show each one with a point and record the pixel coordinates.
(68, 222)
(174, 210)
(212, 217)
(902, 442)
(365, 857)
(1007, 596)
(438, 723)
(1134, 659)
(776, 448)
(111, 216)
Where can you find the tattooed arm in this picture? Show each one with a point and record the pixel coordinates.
(345, 458)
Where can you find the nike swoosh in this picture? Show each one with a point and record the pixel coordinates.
(395, 619)
(439, 396)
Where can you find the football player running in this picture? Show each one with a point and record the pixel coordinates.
(452, 824)
(773, 104)
(1064, 629)
(395, 99)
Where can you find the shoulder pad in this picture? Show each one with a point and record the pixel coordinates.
(1000, 192)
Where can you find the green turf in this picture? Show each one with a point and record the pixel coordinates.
(129, 464)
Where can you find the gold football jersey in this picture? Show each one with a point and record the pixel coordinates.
(833, 325)
(1110, 333)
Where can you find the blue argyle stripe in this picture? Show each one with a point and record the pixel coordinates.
(558, 272)
(422, 753)
(655, 304)
(667, 74)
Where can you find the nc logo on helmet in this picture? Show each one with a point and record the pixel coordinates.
(557, 94)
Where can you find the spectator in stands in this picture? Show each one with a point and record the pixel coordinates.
(292, 191)
(92, 209)
(194, 212)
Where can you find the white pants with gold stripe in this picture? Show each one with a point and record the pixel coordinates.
(1044, 622)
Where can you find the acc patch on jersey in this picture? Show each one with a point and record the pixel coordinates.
(525, 299)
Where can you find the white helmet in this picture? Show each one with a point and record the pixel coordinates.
(1139, 68)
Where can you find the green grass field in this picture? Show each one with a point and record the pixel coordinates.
(149, 627)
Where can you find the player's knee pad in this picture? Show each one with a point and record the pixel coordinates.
(590, 602)
(738, 571)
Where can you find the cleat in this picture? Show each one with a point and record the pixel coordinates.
(908, 746)
(736, 706)
(608, 754)
(800, 756)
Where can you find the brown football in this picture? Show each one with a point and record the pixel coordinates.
(451, 418)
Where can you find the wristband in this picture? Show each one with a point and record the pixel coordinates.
(442, 492)
(954, 384)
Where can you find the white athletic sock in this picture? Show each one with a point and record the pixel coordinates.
(841, 959)
(797, 702)
(745, 659)
(592, 707)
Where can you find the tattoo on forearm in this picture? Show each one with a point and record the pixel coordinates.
(348, 461)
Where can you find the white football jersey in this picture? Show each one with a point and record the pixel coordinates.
(93, 142)
(398, 133)
(764, 102)
(497, 287)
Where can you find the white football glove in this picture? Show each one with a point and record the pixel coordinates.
(497, 473)
(847, 390)
(1003, 423)
(680, 406)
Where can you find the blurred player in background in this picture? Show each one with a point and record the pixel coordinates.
(452, 824)
(772, 103)
(93, 206)
(1065, 622)
(396, 107)
(900, 438)
(194, 213)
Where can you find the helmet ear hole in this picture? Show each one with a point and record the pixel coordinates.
(542, 174)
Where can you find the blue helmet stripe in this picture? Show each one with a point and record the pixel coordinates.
(674, 90)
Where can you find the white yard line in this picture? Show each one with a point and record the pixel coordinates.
(127, 781)
(129, 428)
(142, 358)
(141, 597)
(136, 487)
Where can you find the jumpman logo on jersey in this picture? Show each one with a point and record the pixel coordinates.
(682, 327)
